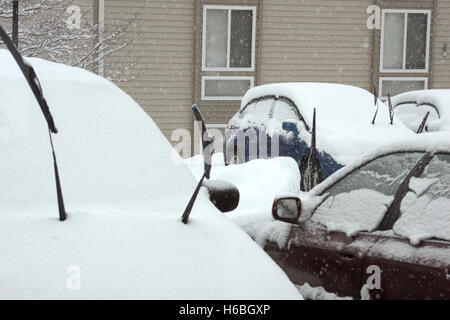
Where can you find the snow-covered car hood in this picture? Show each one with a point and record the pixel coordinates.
(438, 98)
(344, 116)
(124, 189)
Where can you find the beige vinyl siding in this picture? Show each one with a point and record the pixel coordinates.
(319, 41)
(163, 53)
(440, 68)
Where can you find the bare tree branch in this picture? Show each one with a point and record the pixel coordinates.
(43, 32)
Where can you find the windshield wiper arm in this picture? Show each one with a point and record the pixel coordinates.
(33, 82)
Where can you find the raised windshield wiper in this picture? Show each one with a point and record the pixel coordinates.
(207, 140)
(393, 212)
(33, 82)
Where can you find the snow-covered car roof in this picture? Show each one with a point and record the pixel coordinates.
(436, 98)
(125, 189)
(344, 116)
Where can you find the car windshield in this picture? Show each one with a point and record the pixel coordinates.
(359, 201)
(425, 209)
(271, 107)
(412, 115)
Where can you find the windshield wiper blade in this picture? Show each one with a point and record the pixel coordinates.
(32, 79)
(33, 82)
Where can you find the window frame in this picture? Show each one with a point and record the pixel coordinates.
(405, 32)
(227, 78)
(229, 9)
(381, 79)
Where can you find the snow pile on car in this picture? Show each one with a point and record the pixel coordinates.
(344, 116)
(259, 182)
(411, 107)
(123, 237)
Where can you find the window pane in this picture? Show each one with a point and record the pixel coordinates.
(394, 25)
(394, 87)
(360, 200)
(216, 38)
(285, 111)
(425, 209)
(226, 88)
(241, 39)
(416, 41)
(257, 111)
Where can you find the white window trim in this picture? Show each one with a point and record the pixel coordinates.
(427, 57)
(204, 78)
(380, 84)
(229, 8)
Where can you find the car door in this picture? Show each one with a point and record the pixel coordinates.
(332, 261)
(414, 257)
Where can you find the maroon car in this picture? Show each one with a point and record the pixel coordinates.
(378, 229)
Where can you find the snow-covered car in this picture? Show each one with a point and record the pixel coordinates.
(124, 189)
(424, 110)
(278, 120)
(378, 228)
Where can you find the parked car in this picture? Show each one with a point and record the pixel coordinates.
(424, 110)
(125, 189)
(388, 212)
(279, 120)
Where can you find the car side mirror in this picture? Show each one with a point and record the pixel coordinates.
(224, 195)
(290, 127)
(287, 209)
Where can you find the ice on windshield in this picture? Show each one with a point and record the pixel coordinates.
(412, 115)
(354, 211)
(425, 208)
(360, 200)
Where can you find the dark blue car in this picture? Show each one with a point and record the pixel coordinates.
(283, 124)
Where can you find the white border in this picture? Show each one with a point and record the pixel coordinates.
(229, 8)
(380, 83)
(427, 57)
(231, 78)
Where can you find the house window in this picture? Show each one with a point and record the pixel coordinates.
(397, 85)
(228, 38)
(225, 87)
(405, 40)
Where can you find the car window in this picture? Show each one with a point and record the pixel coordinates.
(258, 109)
(359, 201)
(425, 209)
(412, 116)
(284, 109)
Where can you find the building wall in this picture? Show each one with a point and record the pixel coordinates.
(163, 53)
(440, 68)
(325, 41)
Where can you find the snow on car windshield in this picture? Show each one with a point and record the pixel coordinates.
(412, 107)
(425, 209)
(412, 115)
(360, 200)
